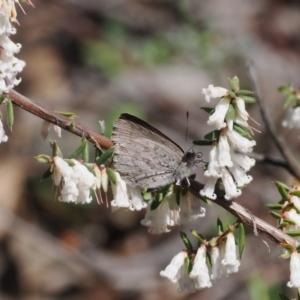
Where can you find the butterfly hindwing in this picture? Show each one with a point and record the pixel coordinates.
(144, 156)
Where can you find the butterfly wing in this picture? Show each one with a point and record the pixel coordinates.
(143, 155)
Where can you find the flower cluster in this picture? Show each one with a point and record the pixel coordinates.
(295, 270)
(126, 196)
(290, 212)
(228, 159)
(76, 181)
(10, 66)
(224, 262)
(169, 213)
(292, 118)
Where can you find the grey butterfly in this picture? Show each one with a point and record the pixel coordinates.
(147, 158)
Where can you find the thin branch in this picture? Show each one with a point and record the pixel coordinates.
(291, 163)
(62, 121)
(267, 159)
(246, 217)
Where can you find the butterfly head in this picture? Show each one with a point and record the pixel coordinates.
(191, 159)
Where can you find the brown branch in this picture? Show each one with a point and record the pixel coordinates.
(246, 217)
(291, 163)
(233, 207)
(65, 123)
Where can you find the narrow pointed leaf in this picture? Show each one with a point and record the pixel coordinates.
(44, 159)
(212, 136)
(249, 99)
(275, 206)
(275, 215)
(244, 92)
(283, 297)
(220, 227)
(242, 131)
(286, 90)
(67, 114)
(79, 151)
(231, 113)
(234, 83)
(188, 265)
(295, 193)
(241, 238)
(10, 114)
(283, 190)
(105, 156)
(198, 236)
(203, 143)
(186, 241)
(111, 175)
(47, 174)
(85, 153)
(55, 149)
(289, 101)
(294, 233)
(208, 110)
(231, 95)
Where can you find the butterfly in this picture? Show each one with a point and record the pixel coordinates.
(145, 157)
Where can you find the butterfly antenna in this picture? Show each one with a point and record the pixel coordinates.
(186, 130)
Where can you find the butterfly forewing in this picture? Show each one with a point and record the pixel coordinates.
(144, 156)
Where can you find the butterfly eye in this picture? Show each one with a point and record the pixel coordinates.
(199, 155)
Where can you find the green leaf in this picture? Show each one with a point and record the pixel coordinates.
(294, 233)
(203, 143)
(208, 110)
(234, 83)
(3, 98)
(248, 99)
(242, 131)
(188, 265)
(72, 126)
(295, 193)
(231, 113)
(213, 242)
(186, 241)
(212, 136)
(298, 293)
(275, 206)
(285, 255)
(286, 90)
(100, 160)
(55, 149)
(44, 159)
(220, 227)
(178, 196)
(283, 189)
(79, 151)
(67, 114)
(231, 95)
(289, 101)
(283, 225)
(10, 114)
(283, 297)
(85, 153)
(198, 236)
(147, 196)
(47, 173)
(275, 215)
(111, 175)
(289, 248)
(289, 221)
(241, 238)
(244, 92)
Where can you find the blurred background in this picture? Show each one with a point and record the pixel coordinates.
(98, 58)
